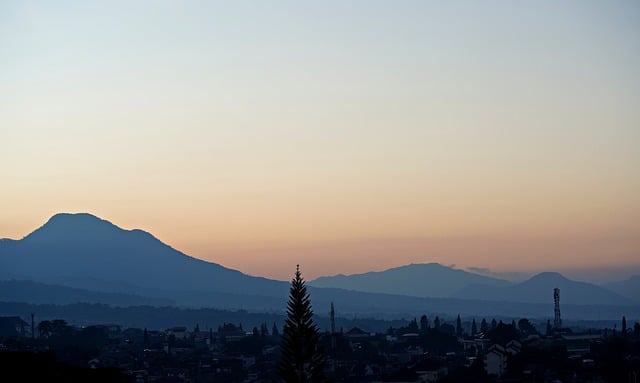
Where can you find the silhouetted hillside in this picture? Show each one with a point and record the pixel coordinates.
(39, 293)
(629, 288)
(420, 280)
(83, 251)
(539, 289)
(78, 246)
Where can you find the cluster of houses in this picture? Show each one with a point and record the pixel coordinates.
(232, 353)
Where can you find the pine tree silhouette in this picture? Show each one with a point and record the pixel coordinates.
(458, 326)
(300, 359)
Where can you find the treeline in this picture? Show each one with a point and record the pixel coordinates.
(165, 317)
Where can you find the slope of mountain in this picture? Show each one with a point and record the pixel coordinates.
(86, 252)
(39, 293)
(539, 289)
(76, 246)
(421, 280)
(629, 288)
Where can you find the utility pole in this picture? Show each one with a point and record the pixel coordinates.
(333, 328)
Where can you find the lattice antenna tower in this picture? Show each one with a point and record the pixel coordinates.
(557, 320)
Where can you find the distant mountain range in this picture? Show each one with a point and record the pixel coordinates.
(629, 288)
(40, 293)
(419, 280)
(82, 248)
(435, 280)
(539, 289)
(82, 258)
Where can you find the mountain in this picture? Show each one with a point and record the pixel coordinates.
(420, 280)
(629, 288)
(39, 293)
(539, 289)
(87, 253)
(83, 246)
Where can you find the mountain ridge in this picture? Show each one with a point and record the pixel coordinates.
(415, 279)
(69, 249)
(82, 244)
(537, 289)
(629, 288)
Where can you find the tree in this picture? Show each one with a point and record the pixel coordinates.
(264, 331)
(424, 324)
(300, 360)
(474, 328)
(412, 327)
(458, 326)
(45, 328)
(526, 328)
(447, 328)
(484, 327)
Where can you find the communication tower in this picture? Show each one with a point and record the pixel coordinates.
(557, 321)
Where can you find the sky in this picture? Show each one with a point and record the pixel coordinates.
(346, 136)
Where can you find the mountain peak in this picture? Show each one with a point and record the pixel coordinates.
(73, 215)
(86, 246)
(73, 218)
(76, 225)
(549, 276)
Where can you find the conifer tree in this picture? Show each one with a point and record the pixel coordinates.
(458, 326)
(484, 327)
(300, 359)
(264, 331)
(424, 324)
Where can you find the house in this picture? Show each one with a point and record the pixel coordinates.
(495, 362)
(356, 333)
(514, 347)
(580, 344)
(432, 375)
(179, 332)
(229, 332)
(477, 343)
(13, 327)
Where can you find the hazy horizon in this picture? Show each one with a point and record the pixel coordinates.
(347, 137)
(360, 251)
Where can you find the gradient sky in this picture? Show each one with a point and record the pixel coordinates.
(346, 136)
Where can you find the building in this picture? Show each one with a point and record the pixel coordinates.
(14, 327)
(495, 362)
(580, 344)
